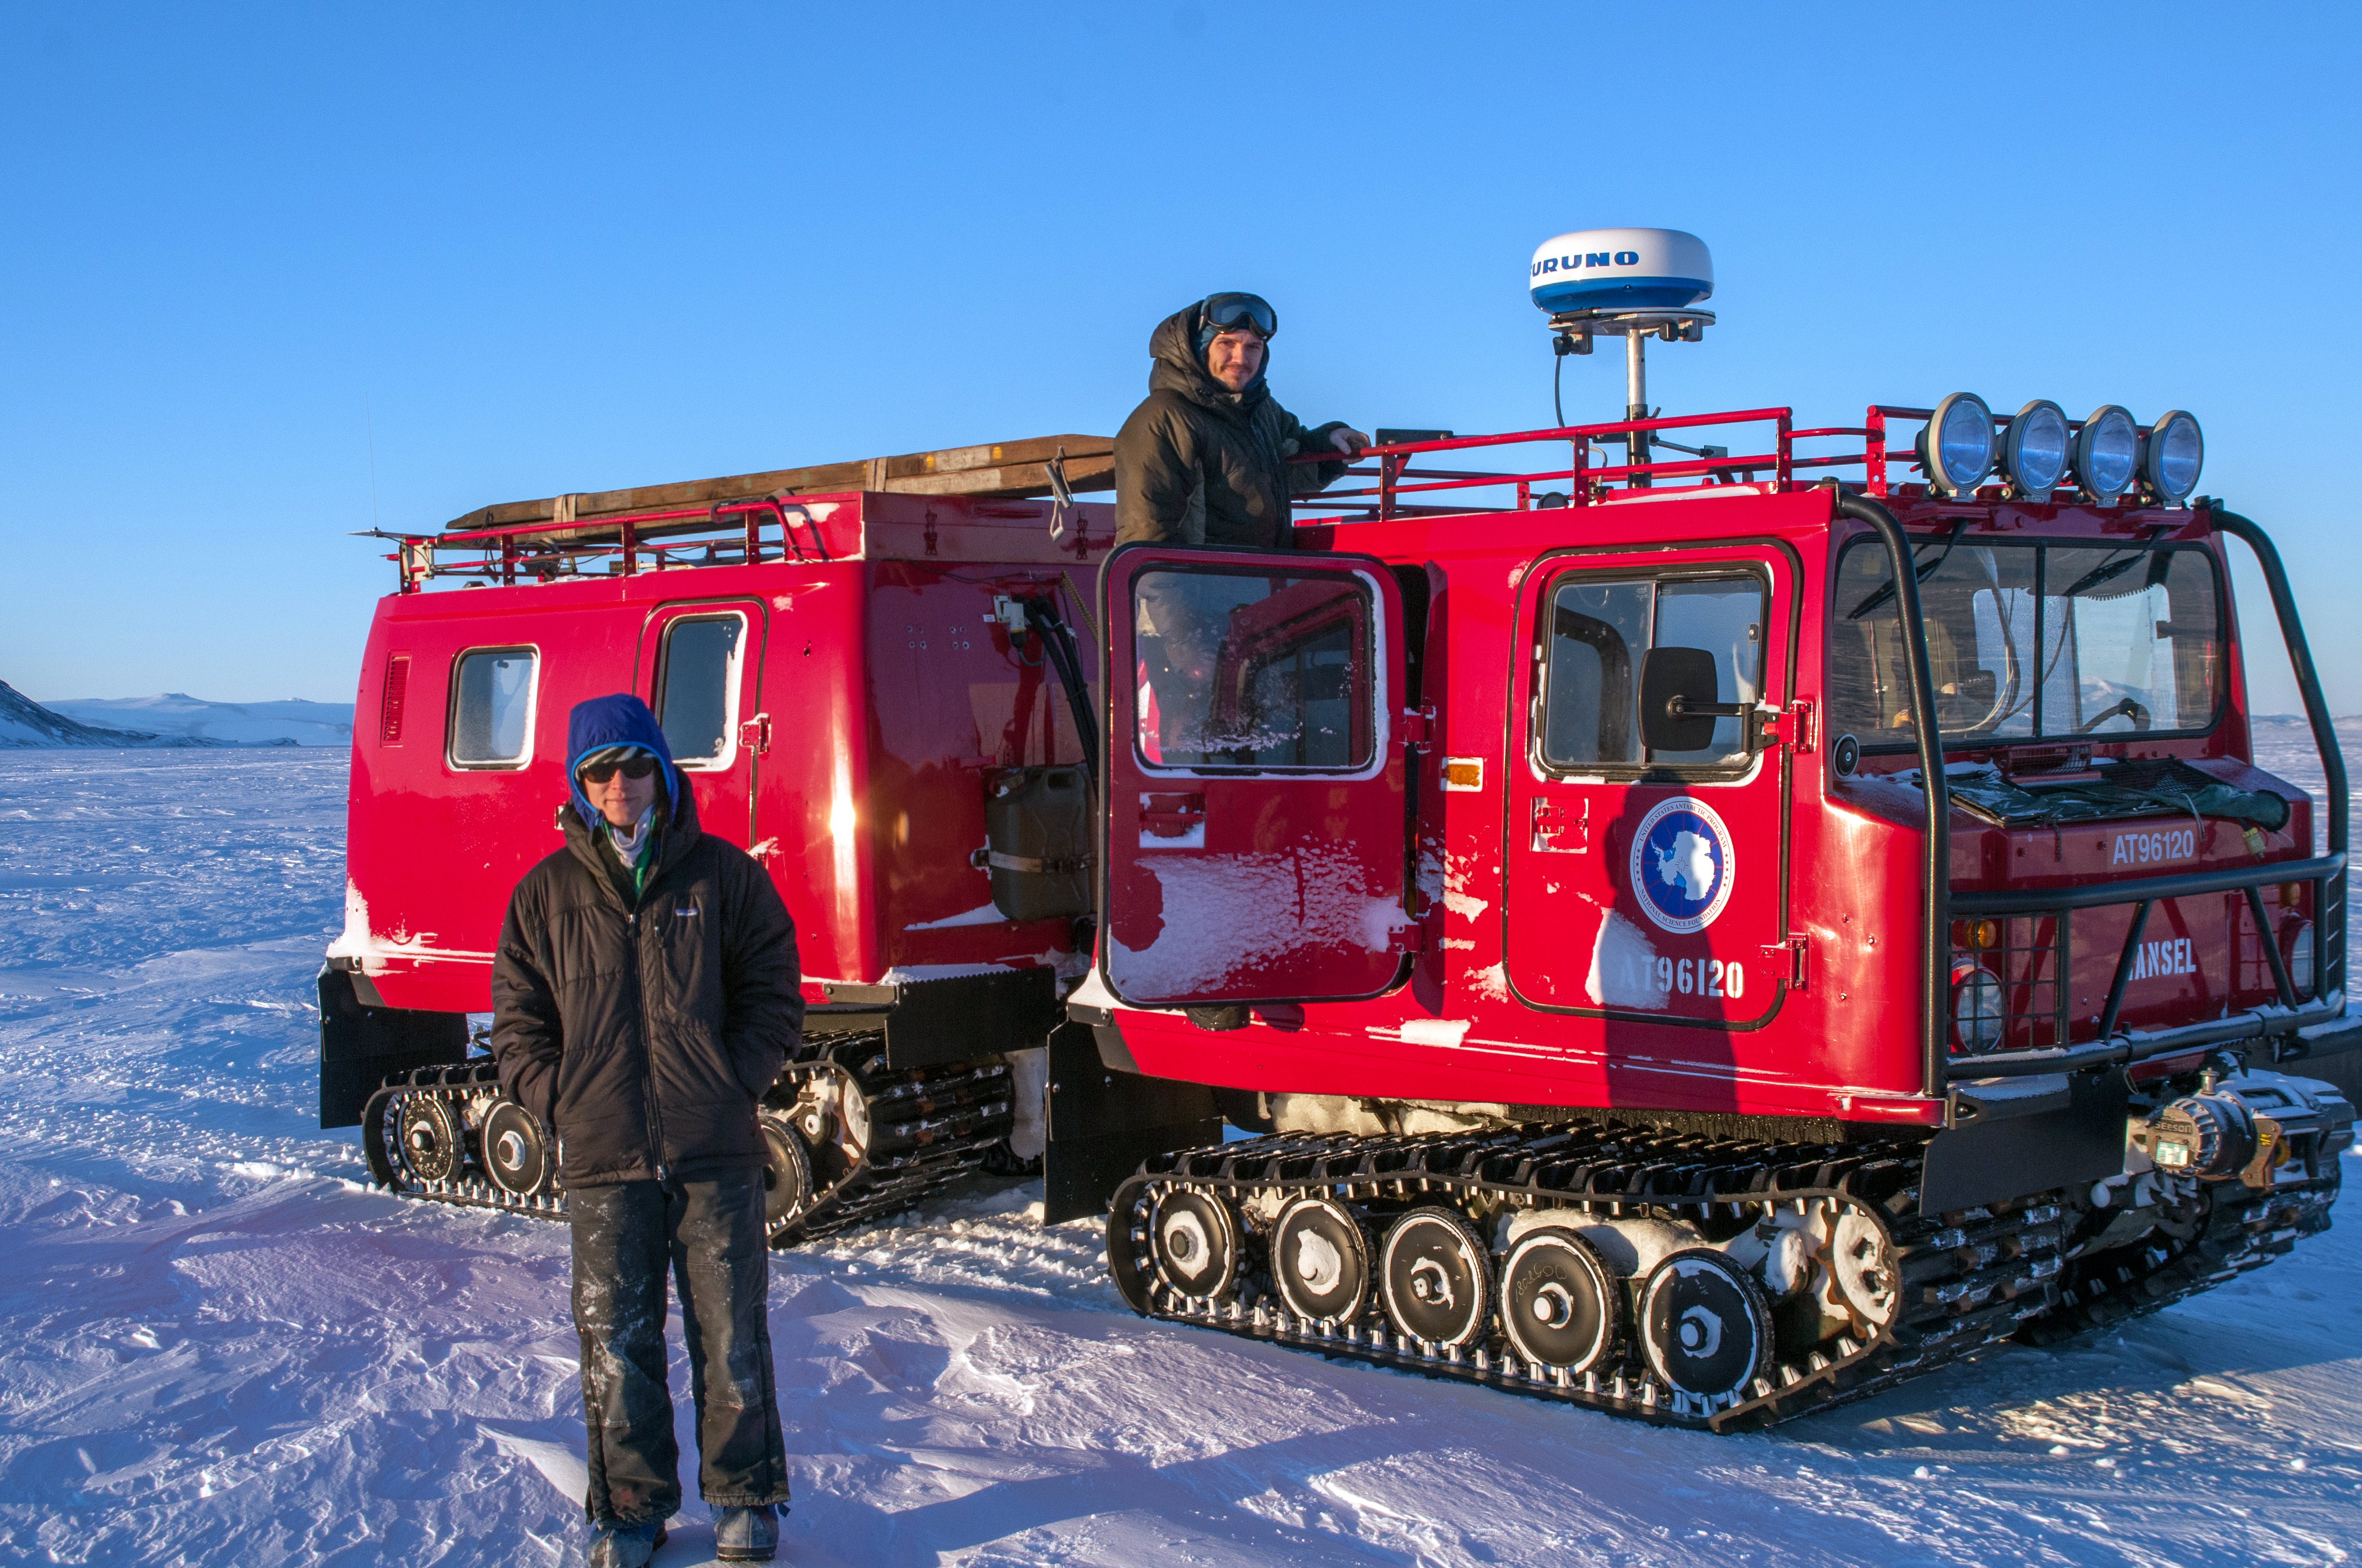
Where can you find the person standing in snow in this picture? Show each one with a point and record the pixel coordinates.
(646, 994)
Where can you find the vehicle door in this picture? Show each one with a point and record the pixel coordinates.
(1642, 882)
(1254, 806)
(700, 666)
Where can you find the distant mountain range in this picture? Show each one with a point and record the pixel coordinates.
(171, 718)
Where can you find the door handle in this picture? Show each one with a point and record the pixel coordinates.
(1172, 816)
(1559, 825)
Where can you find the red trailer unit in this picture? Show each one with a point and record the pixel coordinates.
(874, 691)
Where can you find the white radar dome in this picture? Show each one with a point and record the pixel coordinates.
(1622, 268)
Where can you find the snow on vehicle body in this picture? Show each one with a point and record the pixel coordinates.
(1644, 1007)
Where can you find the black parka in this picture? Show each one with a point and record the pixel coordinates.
(645, 1036)
(1200, 464)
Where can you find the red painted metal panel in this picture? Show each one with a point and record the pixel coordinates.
(1254, 792)
(868, 801)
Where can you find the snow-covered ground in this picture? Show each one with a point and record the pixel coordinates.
(221, 1349)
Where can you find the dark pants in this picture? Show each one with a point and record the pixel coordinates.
(711, 1234)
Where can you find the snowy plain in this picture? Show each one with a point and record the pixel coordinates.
(221, 1348)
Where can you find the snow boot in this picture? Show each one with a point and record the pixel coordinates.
(746, 1535)
(619, 1545)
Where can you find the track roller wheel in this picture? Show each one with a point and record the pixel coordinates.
(377, 1135)
(1706, 1324)
(1861, 1261)
(1196, 1243)
(1433, 1278)
(1320, 1261)
(432, 1136)
(516, 1149)
(787, 1187)
(1559, 1304)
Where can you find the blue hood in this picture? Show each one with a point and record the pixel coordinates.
(620, 719)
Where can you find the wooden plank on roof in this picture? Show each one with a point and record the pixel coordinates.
(1007, 468)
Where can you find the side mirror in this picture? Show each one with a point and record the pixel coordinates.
(1677, 699)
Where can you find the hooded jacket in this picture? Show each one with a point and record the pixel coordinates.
(644, 1034)
(1200, 464)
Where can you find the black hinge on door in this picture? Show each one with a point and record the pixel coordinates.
(1793, 726)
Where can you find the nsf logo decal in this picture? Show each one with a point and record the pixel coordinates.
(1682, 863)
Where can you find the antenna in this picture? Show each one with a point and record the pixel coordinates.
(1633, 283)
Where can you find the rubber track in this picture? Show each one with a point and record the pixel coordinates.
(1970, 1279)
(2243, 1229)
(945, 1121)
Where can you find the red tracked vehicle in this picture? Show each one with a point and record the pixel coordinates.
(1715, 936)
(1641, 1013)
(1679, 961)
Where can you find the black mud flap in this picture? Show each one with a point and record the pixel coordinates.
(1104, 1121)
(2027, 1135)
(362, 1043)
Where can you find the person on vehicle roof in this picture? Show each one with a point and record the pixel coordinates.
(1204, 459)
(646, 994)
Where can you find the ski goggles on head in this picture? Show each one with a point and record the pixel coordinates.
(1239, 313)
(631, 762)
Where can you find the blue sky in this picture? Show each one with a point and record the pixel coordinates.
(536, 248)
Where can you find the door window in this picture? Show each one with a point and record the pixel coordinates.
(1599, 631)
(491, 708)
(697, 688)
(1263, 673)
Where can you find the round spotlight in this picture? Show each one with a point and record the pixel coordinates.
(1957, 447)
(2176, 452)
(2105, 452)
(2035, 450)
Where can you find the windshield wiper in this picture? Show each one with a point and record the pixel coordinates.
(2109, 570)
(1920, 573)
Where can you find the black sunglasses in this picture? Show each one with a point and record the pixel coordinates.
(638, 766)
(1233, 313)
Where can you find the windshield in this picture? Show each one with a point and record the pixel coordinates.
(2029, 642)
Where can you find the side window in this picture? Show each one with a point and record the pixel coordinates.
(697, 687)
(491, 708)
(1268, 673)
(1724, 617)
(1598, 632)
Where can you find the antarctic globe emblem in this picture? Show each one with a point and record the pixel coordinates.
(1682, 864)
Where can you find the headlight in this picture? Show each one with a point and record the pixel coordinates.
(1957, 447)
(2299, 958)
(2106, 451)
(2034, 452)
(1977, 1011)
(2176, 452)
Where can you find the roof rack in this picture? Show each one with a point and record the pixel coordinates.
(1588, 480)
(1006, 470)
(742, 519)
